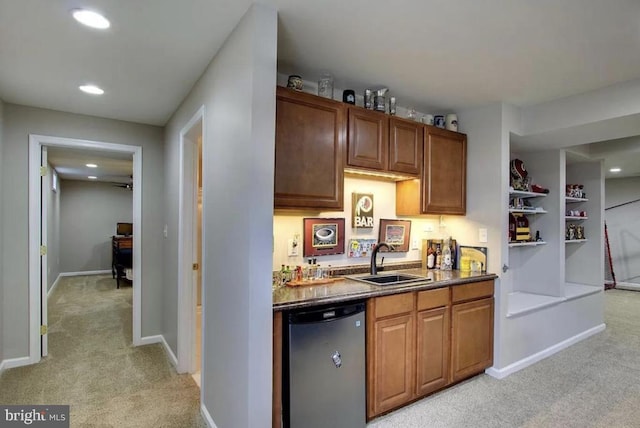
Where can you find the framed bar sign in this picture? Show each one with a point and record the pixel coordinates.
(362, 210)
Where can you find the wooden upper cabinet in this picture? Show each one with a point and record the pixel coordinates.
(309, 152)
(443, 186)
(445, 172)
(405, 146)
(368, 139)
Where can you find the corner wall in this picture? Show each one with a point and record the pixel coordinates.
(19, 122)
(238, 93)
(1, 237)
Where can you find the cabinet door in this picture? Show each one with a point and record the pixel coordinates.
(432, 358)
(471, 338)
(310, 141)
(368, 139)
(444, 179)
(406, 139)
(391, 377)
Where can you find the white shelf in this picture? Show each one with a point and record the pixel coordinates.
(520, 303)
(571, 199)
(523, 194)
(569, 217)
(526, 211)
(574, 291)
(575, 241)
(526, 244)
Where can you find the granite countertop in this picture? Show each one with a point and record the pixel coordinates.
(349, 289)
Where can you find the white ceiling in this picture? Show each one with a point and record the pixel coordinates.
(70, 164)
(435, 55)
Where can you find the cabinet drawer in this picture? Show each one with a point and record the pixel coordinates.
(472, 291)
(394, 305)
(430, 299)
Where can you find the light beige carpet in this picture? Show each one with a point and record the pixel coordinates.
(93, 367)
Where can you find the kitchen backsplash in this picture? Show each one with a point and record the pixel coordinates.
(290, 226)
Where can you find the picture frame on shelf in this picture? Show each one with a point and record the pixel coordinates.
(323, 236)
(396, 233)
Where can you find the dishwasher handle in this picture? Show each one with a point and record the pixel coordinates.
(325, 314)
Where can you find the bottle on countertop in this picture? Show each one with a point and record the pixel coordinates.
(438, 257)
(447, 263)
(431, 258)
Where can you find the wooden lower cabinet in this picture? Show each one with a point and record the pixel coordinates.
(432, 350)
(391, 378)
(471, 338)
(407, 348)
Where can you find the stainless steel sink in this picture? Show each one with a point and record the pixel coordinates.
(390, 279)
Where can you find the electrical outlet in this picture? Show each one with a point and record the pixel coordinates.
(428, 227)
(414, 244)
(482, 235)
(292, 247)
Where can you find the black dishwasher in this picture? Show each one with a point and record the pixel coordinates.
(324, 367)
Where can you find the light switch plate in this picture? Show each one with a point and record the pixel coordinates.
(414, 244)
(482, 235)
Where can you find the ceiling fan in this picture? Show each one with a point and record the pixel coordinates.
(128, 186)
(124, 185)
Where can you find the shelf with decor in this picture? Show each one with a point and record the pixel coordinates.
(572, 200)
(575, 241)
(526, 244)
(521, 204)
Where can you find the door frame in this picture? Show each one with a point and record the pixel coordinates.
(37, 290)
(187, 247)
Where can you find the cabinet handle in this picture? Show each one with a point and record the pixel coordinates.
(505, 268)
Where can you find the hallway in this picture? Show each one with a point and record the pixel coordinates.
(93, 367)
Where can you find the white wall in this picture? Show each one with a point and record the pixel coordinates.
(53, 228)
(487, 160)
(19, 122)
(2, 353)
(623, 225)
(89, 213)
(238, 92)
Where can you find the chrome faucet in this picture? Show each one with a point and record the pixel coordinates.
(374, 253)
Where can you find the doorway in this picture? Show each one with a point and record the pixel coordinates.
(191, 295)
(38, 339)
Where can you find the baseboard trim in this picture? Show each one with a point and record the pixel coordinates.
(628, 286)
(532, 359)
(54, 285)
(14, 362)
(150, 340)
(86, 272)
(207, 417)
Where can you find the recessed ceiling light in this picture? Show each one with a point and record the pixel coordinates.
(615, 169)
(92, 165)
(91, 19)
(91, 89)
(92, 177)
